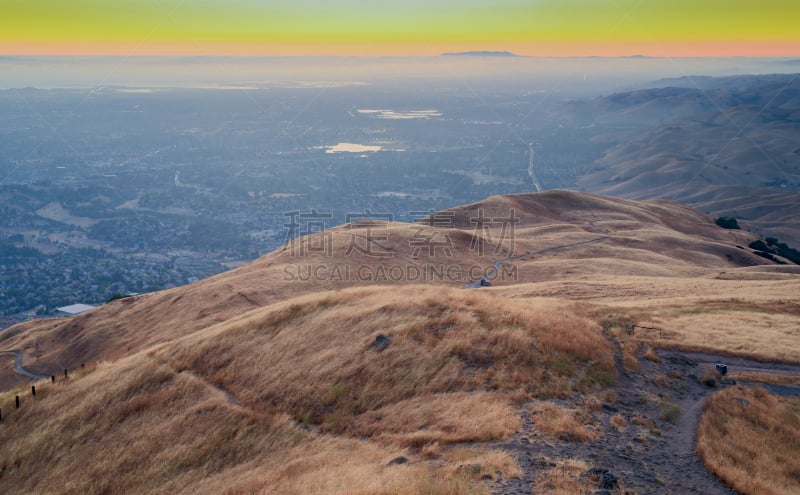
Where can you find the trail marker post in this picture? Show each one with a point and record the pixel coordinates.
(632, 328)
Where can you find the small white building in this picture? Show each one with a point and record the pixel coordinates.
(74, 309)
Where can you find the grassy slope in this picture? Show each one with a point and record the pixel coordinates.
(291, 399)
(709, 156)
(658, 239)
(748, 312)
(749, 439)
(250, 382)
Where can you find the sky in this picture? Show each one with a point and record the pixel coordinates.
(668, 28)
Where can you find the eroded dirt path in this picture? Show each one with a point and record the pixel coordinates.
(491, 274)
(229, 398)
(653, 453)
(22, 371)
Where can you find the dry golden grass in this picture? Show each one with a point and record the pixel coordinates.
(252, 382)
(592, 402)
(243, 407)
(431, 451)
(561, 423)
(639, 294)
(773, 336)
(435, 486)
(753, 318)
(658, 239)
(710, 377)
(130, 429)
(616, 325)
(479, 463)
(755, 446)
(441, 418)
(322, 371)
(630, 351)
(770, 378)
(8, 377)
(609, 395)
(126, 326)
(651, 355)
(565, 479)
(618, 422)
(140, 427)
(643, 422)
(662, 381)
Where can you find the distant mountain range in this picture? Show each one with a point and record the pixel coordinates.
(728, 146)
(480, 54)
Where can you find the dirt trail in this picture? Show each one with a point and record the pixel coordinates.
(655, 458)
(524, 257)
(229, 398)
(22, 371)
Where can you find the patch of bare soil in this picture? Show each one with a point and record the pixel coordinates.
(646, 428)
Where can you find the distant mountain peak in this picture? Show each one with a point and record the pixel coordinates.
(480, 54)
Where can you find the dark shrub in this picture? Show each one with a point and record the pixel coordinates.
(728, 223)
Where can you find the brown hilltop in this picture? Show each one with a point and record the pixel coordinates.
(601, 236)
(649, 237)
(263, 380)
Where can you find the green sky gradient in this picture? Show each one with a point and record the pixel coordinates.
(398, 21)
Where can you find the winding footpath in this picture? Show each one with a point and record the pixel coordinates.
(22, 371)
(659, 459)
(523, 257)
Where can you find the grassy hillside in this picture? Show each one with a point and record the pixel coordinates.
(283, 377)
(727, 146)
(556, 236)
(297, 398)
(747, 311)
(749, 439)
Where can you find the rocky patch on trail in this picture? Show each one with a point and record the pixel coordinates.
(645, 428)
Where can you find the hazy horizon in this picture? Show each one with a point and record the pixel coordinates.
(590, 75)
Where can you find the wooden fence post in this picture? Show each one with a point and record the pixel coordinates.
(17, 400)
(52, 378)
(33, 390)
(65, 373)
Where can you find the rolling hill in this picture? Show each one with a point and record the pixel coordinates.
(727, 146)
(603, 237)
(357, 360)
